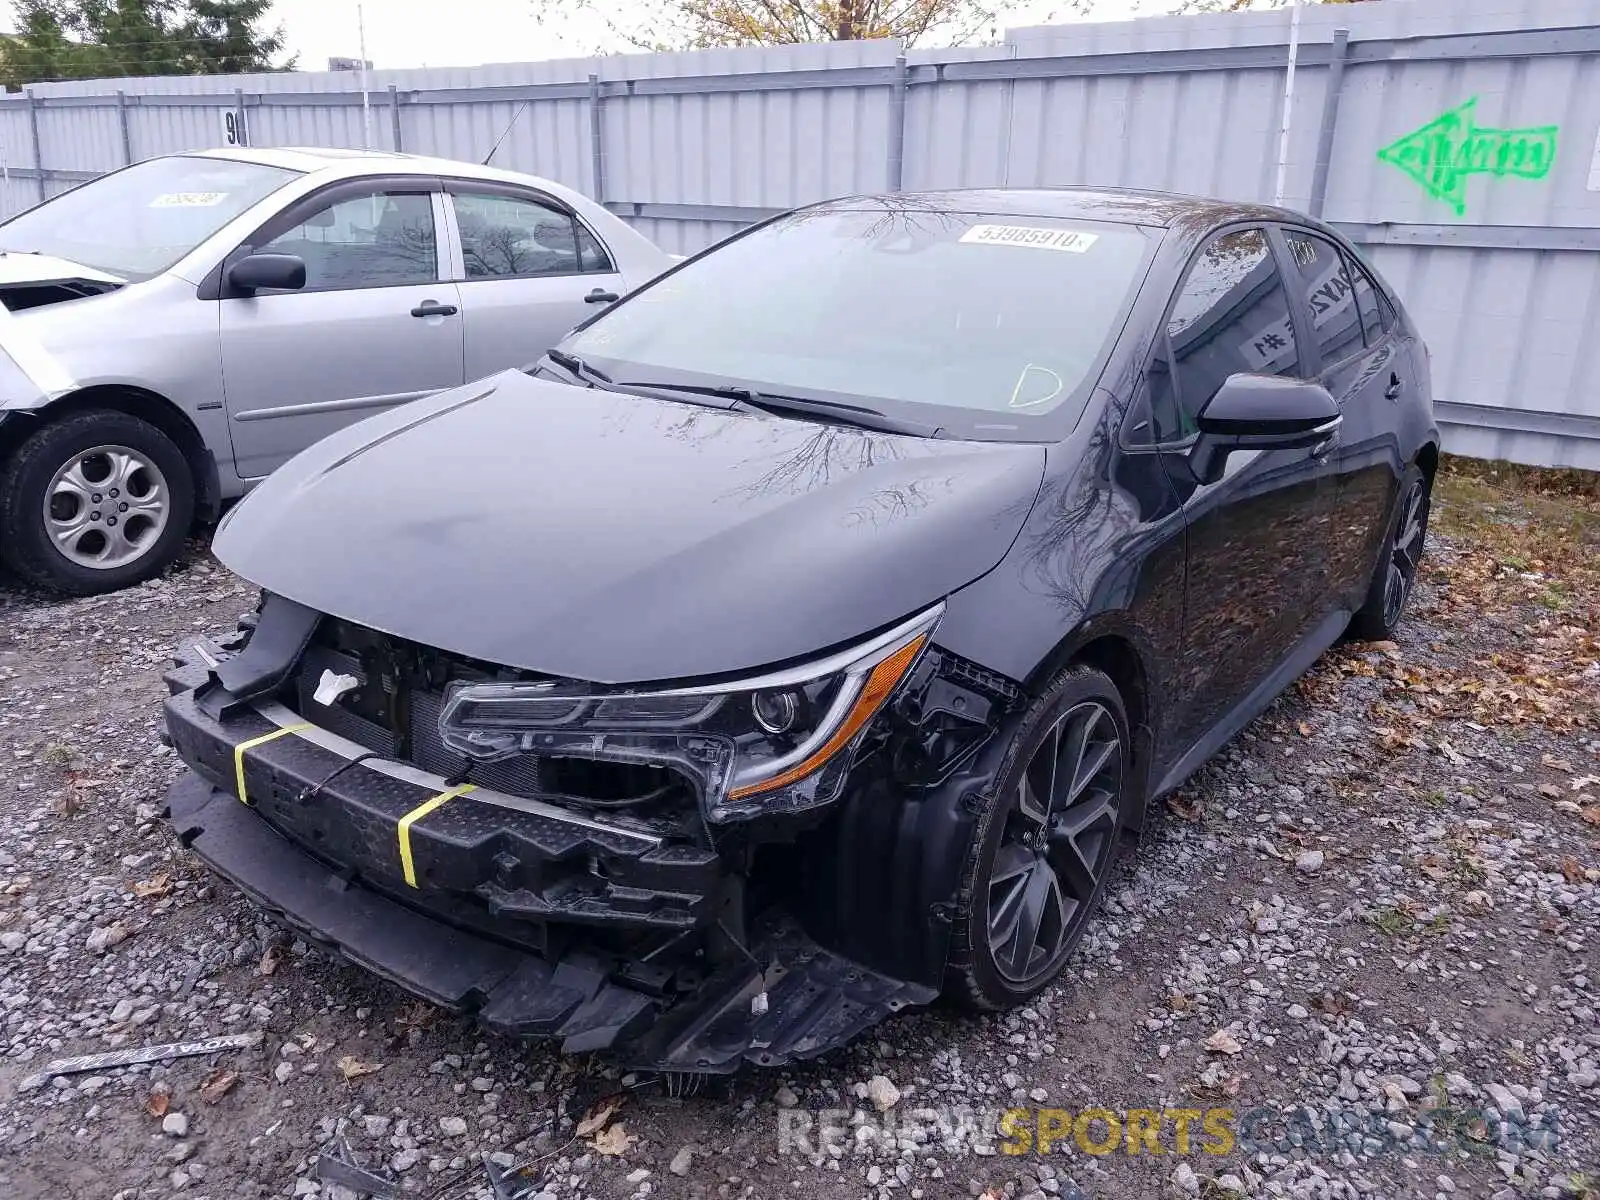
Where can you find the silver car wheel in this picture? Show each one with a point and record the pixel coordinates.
(106, 507)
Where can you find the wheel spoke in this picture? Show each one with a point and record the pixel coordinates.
(66, 533)
(1072, 867)
(1032, 805)
(1032, 902)
(1095, 759)
(1098, 808)
(1011, 861)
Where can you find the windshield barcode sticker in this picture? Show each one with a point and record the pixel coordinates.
(188, 199)
(1073, 241)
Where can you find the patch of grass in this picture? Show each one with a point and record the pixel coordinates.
(1391, 920)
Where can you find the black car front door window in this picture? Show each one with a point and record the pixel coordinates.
(1231, 315)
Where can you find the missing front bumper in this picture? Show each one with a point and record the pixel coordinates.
(815, 1000)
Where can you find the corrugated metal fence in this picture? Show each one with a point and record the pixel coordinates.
(1457, 140)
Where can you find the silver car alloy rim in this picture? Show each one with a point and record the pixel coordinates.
(106, 507)
(1057, 843)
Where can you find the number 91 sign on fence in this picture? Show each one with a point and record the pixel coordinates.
(233, 130)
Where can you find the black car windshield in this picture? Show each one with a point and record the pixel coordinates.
(137, 222)
(991, 327)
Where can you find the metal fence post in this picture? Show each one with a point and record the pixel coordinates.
(33, 129)
(596, 141)
(394, 116)
(122, 124)
(1337, 54)
(897, 127)
(239, 117)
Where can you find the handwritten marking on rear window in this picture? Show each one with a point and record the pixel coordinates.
(1035, 237)
(188, 199)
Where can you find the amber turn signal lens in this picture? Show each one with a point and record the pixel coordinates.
(885, 676)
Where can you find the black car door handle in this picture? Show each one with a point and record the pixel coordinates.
(600, 297)
(1392, 392)
(432, 308)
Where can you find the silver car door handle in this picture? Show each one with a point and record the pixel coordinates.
(432, 308)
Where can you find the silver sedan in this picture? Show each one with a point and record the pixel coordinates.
(177, 329)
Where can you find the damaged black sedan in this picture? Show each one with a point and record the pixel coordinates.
(800, 638)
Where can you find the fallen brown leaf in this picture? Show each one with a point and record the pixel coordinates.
(153, 888)
(1572, 870)
(601, 1111)
(218, 1084)
(1184, 808)
(1304, 729)
(613, 1140)
(156, 1104)
(353, 1068)
(1333, 1004)
(1217, 1091)
(1223, 1042)
(271, 958)
(1591, 815)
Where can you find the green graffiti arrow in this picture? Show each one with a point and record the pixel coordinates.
(1442, 153)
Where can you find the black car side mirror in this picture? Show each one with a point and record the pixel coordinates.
(256, 271)
(1261, 412)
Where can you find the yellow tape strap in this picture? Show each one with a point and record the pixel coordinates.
(415, 815)
(238, 753)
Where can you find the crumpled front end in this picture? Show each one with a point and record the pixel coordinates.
(586, 886)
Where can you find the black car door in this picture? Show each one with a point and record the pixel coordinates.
(1364, 368)
(1257, 539)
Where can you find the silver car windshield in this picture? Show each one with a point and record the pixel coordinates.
(989, 327)
(137, 222)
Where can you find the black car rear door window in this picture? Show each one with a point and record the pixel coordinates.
(1330, 298)
(1368, 303)
(1229, 316)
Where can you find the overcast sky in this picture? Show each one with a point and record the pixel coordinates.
(414, 33)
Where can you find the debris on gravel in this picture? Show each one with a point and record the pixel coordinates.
(1356, 957)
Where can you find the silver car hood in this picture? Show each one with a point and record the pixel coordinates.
(20, 267)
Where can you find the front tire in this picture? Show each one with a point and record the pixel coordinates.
(94, 502)
(1044, 845)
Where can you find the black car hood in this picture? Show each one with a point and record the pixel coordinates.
(619, 538)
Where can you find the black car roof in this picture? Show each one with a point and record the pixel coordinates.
(1126, 205)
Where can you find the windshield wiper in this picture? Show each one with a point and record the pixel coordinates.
(746, 399)
(575, 366)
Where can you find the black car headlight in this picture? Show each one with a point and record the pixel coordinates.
(778, 742)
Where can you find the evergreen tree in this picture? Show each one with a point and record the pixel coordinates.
(92, 39)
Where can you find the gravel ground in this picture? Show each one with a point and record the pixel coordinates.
(1369, 929)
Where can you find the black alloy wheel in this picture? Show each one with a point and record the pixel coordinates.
(1046, 846)
(1405, 552)
(1396, 572)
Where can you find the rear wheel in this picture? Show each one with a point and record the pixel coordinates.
(1396, 573)
(1044, 847)
(94, 502)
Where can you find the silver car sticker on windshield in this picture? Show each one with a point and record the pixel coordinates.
(1073, 241)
